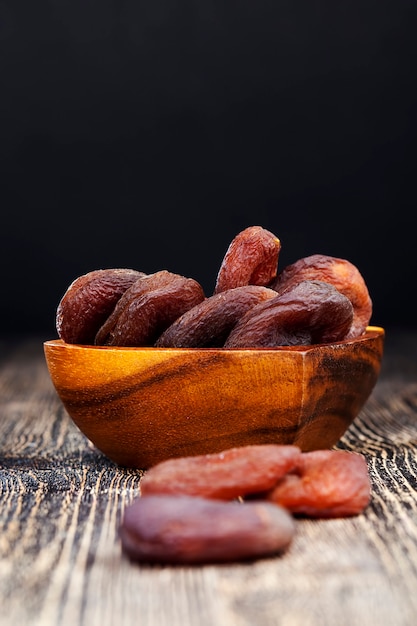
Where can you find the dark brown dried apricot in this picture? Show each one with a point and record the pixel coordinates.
(208, 324)
(194, 530)
(311, 312)
(325, 483)
(251, 259)
(148, 307)
(225, 475)
(89, 300)
(342, 274)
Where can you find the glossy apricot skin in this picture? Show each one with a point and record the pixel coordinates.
(140, 406)
(251, 259)
(340, 273)
(89, 300)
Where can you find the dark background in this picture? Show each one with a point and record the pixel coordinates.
(147, 135)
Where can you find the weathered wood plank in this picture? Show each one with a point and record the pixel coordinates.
(61, 502)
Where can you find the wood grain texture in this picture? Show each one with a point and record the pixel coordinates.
(141, 406)
(61, 501)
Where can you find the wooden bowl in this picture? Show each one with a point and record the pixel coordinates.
(140, 406)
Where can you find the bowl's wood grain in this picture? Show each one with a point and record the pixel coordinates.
(140, 406)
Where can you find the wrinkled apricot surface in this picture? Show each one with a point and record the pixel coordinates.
(88, 302)
(148, 307)
(251, 259)
(229, 474)
(208, 324)
(325, 483)
(310, 312)
(338, 272)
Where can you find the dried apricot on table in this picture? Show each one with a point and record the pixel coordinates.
(310, 312)
(194, 530)
(251, 259)
(88, 302)
(340, 273)
(208, 324)
(224, 475)
(325, 483)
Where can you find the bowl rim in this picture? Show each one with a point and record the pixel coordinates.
(371, 332)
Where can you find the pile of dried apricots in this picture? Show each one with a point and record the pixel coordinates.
(240, 503)
(317, 299)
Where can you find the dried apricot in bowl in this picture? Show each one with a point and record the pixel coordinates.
(140, 406)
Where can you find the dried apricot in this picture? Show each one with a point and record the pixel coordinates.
(88, 302)
(311, 312)
(194, 530)
(208, 324)
(148, 307)
(325, 483)
(251, 259)
(225, 475)
(342, 274)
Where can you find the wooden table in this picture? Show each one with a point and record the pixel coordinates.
(61, 502)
